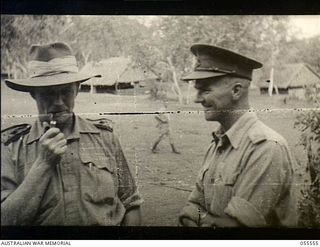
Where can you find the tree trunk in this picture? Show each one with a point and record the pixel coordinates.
(175, 81)
(189, 90)
(91, 86)
(86, 57)
(9, 72)
(116, 88)
(270, 89)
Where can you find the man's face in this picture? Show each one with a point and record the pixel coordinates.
(57, 101)
(215, 95)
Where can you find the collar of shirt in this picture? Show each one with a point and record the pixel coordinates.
(237, 130)
(80, 126)
(217, 134)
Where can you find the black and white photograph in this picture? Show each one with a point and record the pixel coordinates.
(181, 121)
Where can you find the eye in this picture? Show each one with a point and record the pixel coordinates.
(45, 93)
(66, 91)
(205, 91)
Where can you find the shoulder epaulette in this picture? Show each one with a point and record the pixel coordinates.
(13, 133)
(102, 123)
(256, 135)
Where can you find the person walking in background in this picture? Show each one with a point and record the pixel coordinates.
(63, 169)
(163, 125)
(247, 178)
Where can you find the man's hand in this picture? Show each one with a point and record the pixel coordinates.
(52, 146)
(188, 222)
(132, 217)
(22, 205)
(210, 221)
(207, 221)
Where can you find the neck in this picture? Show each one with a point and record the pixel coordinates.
(232, 116)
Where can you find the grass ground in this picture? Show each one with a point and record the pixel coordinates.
(164, 179)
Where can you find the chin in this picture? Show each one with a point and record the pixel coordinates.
(210, 115)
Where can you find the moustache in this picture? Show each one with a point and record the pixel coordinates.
(57, 110)
(50, 115)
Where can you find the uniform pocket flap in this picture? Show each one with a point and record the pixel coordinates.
(93, 153)
(229, 173)
(101, 160)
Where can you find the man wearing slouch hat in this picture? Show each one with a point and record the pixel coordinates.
(247, 174)
(63, 169)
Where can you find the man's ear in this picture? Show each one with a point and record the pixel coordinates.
(237, 91)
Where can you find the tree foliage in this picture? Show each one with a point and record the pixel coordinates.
(19, 32)
(302, 51)
(309, 125)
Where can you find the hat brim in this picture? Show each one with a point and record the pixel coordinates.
(197, 75)
(26, 85)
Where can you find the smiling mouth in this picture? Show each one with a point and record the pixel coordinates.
(208, 109)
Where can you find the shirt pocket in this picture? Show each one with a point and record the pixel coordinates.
(98, 182)
(219, 190)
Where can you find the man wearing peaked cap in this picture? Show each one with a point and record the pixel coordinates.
(213, 61)
(247, 174)
(63, 169)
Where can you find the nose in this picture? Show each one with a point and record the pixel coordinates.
(58, 99)
(199, 98)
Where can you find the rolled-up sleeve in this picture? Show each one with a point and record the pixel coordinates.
(245, 212)
(263, 183)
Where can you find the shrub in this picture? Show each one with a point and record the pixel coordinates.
(309, 125)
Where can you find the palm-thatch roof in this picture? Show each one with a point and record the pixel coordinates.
(116, 70)
(289, 76)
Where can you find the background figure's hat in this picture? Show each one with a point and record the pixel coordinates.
(49, 65)
(215, 61)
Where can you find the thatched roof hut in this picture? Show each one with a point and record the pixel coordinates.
(289, 79)
(116, 72)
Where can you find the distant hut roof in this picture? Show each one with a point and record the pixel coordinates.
(136, 74)
(289, 76)
(116, 69)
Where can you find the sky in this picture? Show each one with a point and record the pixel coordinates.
(308, 24)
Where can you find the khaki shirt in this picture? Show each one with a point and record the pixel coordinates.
(247, 174)
(92, 184)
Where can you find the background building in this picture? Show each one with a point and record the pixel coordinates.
(117, 74)
(289, 79)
